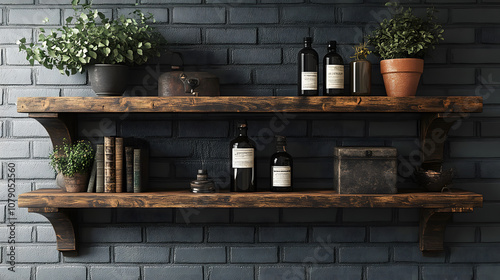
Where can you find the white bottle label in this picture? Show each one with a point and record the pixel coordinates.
(282, 176)
(335, 76)
(309, 80)
(243, 157)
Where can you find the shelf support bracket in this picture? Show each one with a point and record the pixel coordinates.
(63, 226)
(59, 126)
(434, 129)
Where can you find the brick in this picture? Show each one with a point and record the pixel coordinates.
(474, 149)
(66, 272)
(14, 93)
(281, 272)
(21, 234)
(279, 124)
(447, 272)
(174, 234)
(343, 35)
(487, 272)
(46, 76)
(314, 255)
(205, 56)
(230, 272)
(489, 190)
(14, 57)
(96, 129)
(255, 215)
(406, 147)
(459, 36)
(194, 15)
(12, 35)
(45, 234)
(261, 15)
(181, 35)
(282, 35)
(363, 255)
(450, 1)
(231, 36)
(96, 215)
(13, 76)
(144, 215)
(490, 35)
(203, 129)
(308, 14)
(254, 255)
(111, 234)
(22, 272)
(407, 272)
(230, 1)
(281, 1)
(34, 16)
(41, 149)
(393, 129)
(313, 168)
(476, 254)
(338, 234)
(92, 254)
(234, 76)
(160, 14)
(98, 2)
(367, 215)
(394, 234)
(490, 234)
(147, 128)
(200, 255)
(34, 169)
(489, 169)
(338, 128)
(78, 92)
(489, 15)
(460, 234)
(414, 255)
(23, 215)
(336, 273)
(363, 15)
(35, 254)
(231, 234)
(309, 215)
(282, 234)
(174, 272)
(17, 2)
(142, 254)
(256, 56)
(14, 149)
(276, 75)
(201, 215)
(489, 76)
(463, 129)
(456, 76)
(480, 215)
(482, 55)
(171, 148)
(114, 272)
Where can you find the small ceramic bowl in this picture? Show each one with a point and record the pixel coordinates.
(434, 181)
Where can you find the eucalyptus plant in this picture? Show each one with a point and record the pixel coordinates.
(70, 159)
(405, 35)
(89, 37)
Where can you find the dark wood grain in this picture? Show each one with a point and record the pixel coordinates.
(432, 227)
(249, 104)
(302, 199)
(63, 227)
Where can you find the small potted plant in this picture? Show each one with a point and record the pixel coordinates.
(74, 161)
(361, 71)
(104, 46)
(401, 42)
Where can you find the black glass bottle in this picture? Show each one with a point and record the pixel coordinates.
(242, 162)
(308, 69)
(333, 71)
(281, 167)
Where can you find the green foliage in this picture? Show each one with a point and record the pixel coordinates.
(405, 35)
(91, 38)
(71, 159)
(361, 51)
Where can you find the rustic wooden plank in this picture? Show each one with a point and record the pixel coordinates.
(249, 104)
(302, 199)
(432, 227)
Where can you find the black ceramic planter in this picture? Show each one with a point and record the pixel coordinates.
(108, 79)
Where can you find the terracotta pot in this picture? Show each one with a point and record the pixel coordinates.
(77, 183)
(401, 75)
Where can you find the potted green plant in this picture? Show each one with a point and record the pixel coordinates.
(361, 71)
(89, 40)
(74, 161)
(401, 42)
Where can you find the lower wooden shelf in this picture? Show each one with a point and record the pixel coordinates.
(436, 207)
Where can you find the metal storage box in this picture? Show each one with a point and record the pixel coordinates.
(365, 170)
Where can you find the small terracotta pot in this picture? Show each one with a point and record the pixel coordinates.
(77, 183)
(401, 75)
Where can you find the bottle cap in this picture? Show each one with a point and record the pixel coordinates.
(280, 140)
(308, 39)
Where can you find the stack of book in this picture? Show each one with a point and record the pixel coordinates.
(111, 173)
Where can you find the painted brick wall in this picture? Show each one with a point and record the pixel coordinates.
(251, 45)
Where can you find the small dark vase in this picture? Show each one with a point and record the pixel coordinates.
(108, 79)
(361, 77)
(76, 183)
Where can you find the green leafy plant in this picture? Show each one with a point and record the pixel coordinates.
(72, 158)
(91, 38)
(361, 51)
(405, 35)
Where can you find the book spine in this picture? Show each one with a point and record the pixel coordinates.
(91, 185)
(109, 165)
(119, 164)
(129, 168)
(99, 158)
(137, 171)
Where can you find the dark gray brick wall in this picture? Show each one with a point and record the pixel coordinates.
(251, 45)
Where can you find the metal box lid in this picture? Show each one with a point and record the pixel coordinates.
(365, 152)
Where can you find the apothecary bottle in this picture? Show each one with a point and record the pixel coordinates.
(242, 161)
(333, 71)
(307, 69)
(281, 167)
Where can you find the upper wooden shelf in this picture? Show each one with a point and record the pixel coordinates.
(250, 104)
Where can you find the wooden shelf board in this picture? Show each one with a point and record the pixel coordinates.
(55, 198)
(250, 104)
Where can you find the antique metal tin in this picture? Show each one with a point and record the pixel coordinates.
(181, 83)
(365, 170)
